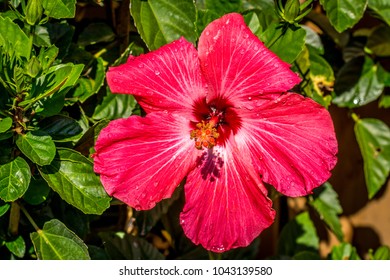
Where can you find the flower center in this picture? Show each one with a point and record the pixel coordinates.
(206, 134)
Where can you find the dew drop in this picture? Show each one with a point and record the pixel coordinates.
(249, 98)
(207, 33)
(256, 48)
(140, 65)
(356, 101)
(246, 35)
(157, 72)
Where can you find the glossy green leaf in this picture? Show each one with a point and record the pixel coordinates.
(121, 246)
(381, 7)
(61, 128)
(56, 242)
(313, 39)
(14, 179)
(41, 36)
(298, 235)
(13, 39)
(379, 41)
(37, 146)
(17, 246)
(344, 14)
(37, 192)
(59, 8)
(344, 251)
(4, 207)
(71, 175)
(357, 83)
(373, 137)
(162, 21)
(382, 253)
(286, 43)
(5, 124)
(115, 106)
(325, 201)
(222, 7)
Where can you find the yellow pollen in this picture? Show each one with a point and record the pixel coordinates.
(205, 136)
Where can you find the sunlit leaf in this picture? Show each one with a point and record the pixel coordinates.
(71, 175)
(5, 124)
(17, 246)
(326, 203)
(56, 242)
(382, 253)
(4, 207)
(162, 21)
(373, 137)
(37, 146)
(14, 179)
(59, 8)
(297, 236)
(344, 14)
(344, 251)
(382, 7)
(13, 39)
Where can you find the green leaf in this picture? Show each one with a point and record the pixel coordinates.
(379, 41)
(384, 102)
(71, 175)
(60, 128)
(222, 7)
(14, 179)
(4, 207)
(298, 235)
(286, 43)
(344, 251)
(17, 246)
(326, 203)
(115, 106)
(121, 246)
(5, 124)
(382, 253)
(373, 137)
(56, 242)
(94, 33)
(357, 83)
(59, 8)
(37, 146)
(313, 40)
(13, 39)
(37, 192)
(381, 7)
(304, 255)
(162, 21)
(344, 14)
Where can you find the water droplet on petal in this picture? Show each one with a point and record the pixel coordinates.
(157, 72)
(207, 33)
(249, 98)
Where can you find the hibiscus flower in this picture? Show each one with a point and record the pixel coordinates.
(221, 118)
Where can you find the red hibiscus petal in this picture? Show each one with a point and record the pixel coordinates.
(237, 65)
(226, 203)
(292, 142)
(166, 79)
(142, 160)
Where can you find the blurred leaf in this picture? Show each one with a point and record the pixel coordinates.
(17, 246)
(5, 124)
(373, 137)
(96, 32)
(379, 41)
(13, 39)
(313, 40)
(222, 7)
(97, 253)
(115, 106)
(344, 14)
(382, 7)
(121, 246)
(384, 102)
(204, 17)
(306, 255)
(71, 175)
(4, 207)
(56, 242)
(344, 251)
(59, 8)
(326, 203)
(37, 191)
(87, 141)
(298, 235)
(14, 179)
(162, 21)
(61, 34)
(286, 43)
(382, 253)
(357, 83)
(60, 128)
(37, 146)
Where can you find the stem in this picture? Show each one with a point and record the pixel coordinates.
(215, 256)
(14, 217)
(30, 219)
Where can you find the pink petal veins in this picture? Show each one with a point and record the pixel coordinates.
(166, 79)
(226, 204)
(236, 64)
(142, 160)
(291, 141)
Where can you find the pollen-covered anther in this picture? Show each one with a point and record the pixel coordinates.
(205, 135)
